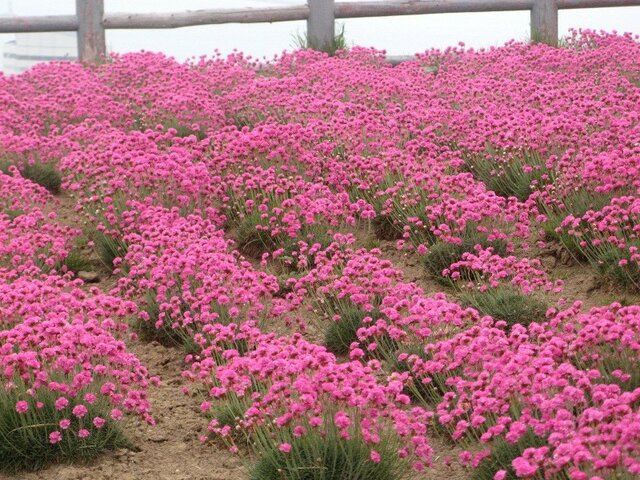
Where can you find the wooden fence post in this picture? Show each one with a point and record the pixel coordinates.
(91, 39)
(544, 22)
(321, 24)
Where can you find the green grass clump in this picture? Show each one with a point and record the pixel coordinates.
(228, 413)
(507, 304)
(109, 248)
(254, 242)
(313, 457)
(576, 204)
(608, 358)
(24, 437)
(504, 453)
(340, 334)
(385, 228)
(606, 260)
(513, 177)
(427, 393)
(13, 214)
(76, 261)
(442, 254)
(46, 174)
(339, 42)
(167, 333)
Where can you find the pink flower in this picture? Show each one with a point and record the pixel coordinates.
(285, 447)
(61, 403)
(523, 468)
(80, 411)
(375, 456)
(22, 406)
(83, 433)
(341, 419)
(116, 414)
(55, 437)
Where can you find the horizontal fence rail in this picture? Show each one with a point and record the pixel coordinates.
(91, 22)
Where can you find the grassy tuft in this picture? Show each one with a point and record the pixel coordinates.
(340, 334)
(427, 393)
(442, 254)
(314, 457)
(13, 214)
(513, 177)
(24, 437)
(167, 333)
(76, 261)
(46, 175)
(503, 454)
(385, 228)
(109, 248)
(253, 241)
(339, 42)
(507, 304)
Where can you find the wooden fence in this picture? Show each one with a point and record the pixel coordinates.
(91, 22)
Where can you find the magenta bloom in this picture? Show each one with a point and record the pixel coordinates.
(285, 447)
(80, 411)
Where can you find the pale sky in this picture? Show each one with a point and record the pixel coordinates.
(398, 35)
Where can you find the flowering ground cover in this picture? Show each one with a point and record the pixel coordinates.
(343, 270)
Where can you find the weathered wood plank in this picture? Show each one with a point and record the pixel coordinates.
(91, 36)
(544, 22)
(321, 23)
(205, 17)
(570, 4)
(415, 7)
(50, 23)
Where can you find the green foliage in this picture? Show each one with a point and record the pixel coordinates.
(517, 176)
(166, 333)
(77, 261)
(228, 413)
(24, 437)
(442, 254)
(385, 228)
(340, 334)
(576, 204)
(606, 260)
(184, 131)
(429, 393)
(607, 358)
(503, 453)
(339, 42)
(507, 304)
(109, 248)
(254, 240)
(46, 174)
(13, 214)
(313, 457)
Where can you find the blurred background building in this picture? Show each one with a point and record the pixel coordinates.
(30, 48)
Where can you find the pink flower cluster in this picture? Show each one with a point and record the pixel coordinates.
(297, 164)
(484, 269)
(61, 358)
